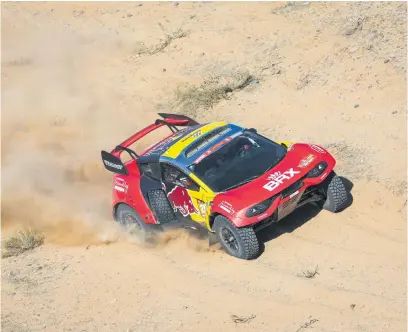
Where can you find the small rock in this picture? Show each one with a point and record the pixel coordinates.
(175, 4)
(386, 60)
(164, 69)
(395, 112)
(129, 15)
(140, 5)
(78, 13)
(356, 105)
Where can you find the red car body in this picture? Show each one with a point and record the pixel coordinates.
(287, 184)
(287, 173)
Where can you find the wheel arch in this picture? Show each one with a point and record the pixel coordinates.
(118, 204)
(212, 217)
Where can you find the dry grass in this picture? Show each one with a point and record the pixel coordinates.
(191, 98)
(22, 241)
(166, 41)
(307, 324)
(310, 273)
(237, 319)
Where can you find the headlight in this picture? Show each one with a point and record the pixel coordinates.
(259, 208)
(317, 170)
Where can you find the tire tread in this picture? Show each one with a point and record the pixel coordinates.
(161, 206)
(249, 239)
(337, 195)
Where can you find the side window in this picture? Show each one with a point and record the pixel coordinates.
(150, 170)
(173, 175)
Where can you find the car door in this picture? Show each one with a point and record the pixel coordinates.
(150, 177)
(185, 195)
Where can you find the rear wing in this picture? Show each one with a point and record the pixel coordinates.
(170, 120)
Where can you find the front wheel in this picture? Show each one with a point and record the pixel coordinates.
(336, 194)
(238, 242)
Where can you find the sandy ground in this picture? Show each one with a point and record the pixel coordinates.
(76, 78)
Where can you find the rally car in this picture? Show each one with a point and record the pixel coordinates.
(219, 177)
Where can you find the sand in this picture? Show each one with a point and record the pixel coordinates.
(81, 77)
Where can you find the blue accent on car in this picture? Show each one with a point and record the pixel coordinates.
(162, 147)
(182, 161)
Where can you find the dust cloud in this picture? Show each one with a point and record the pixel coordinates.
(54, 125)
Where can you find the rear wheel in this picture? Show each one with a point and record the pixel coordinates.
(336, 194)
(238, 242)
(131, 221)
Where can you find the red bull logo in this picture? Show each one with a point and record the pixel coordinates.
(181, 201)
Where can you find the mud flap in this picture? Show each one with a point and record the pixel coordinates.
(212, 239)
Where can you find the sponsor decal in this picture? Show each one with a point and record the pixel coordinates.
(277, 178)
(197, 134)
(263, 215)
(161, 146)
(323, 176)
(203, 208)
(181, 200)
(217, 146)
(294, 194)
(110, 164)
(317, 148)
(117, 188)
(273, 176)
(306, 161)
(227, 207)
(121, 185)
(212, 149)
(193, 135)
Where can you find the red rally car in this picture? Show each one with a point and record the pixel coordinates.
(219, 177)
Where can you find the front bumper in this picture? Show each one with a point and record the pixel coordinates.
(298, 194)
(308, 195)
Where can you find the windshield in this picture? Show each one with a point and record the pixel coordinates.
(244, 158)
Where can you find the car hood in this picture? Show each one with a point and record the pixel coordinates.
(284, 174)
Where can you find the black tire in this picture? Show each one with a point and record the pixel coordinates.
(336, 194)
(244, 245)
(130, 221)
(161, 206)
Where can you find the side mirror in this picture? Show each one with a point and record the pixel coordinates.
(188, 184)
(113, 164)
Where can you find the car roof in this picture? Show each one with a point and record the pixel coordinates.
(186, 149)
(160, 147)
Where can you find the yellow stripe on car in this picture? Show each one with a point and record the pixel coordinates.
(175, 150)
(205, 195)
